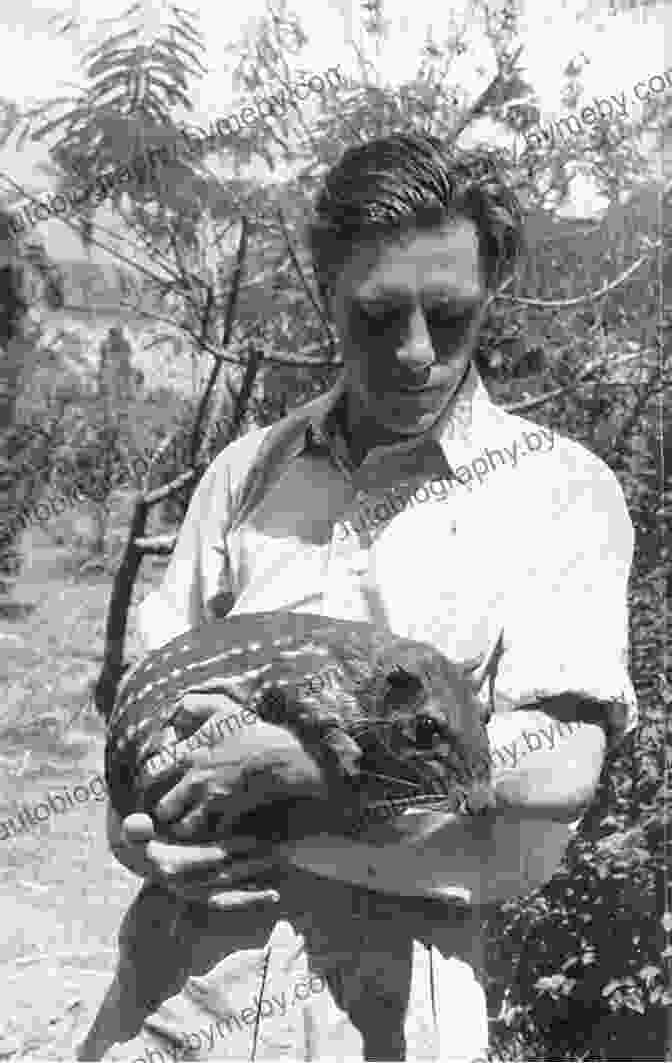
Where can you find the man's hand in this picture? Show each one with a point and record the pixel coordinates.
(227, 763)
(197, 873)
(230, 764)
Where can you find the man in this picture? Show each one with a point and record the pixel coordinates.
(114, 367)
(516, 567)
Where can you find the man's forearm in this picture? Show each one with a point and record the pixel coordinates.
(544, 764)
(544, 776)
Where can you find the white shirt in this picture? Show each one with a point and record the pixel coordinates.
(521, 569)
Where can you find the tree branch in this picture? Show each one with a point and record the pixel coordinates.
(106, 687)
(241, 254)
(560, 304)
(648, 392)
(159, 545)
(243, 397)
(161, 493)
(200, 413)
(306, 287)
(183, 328)
(590, 369)
(483, 100)
(96, 243)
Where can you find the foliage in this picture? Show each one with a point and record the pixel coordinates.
(26, 277)
(582, 969)
(134, 84)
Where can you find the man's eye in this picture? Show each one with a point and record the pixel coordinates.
(447, 319)
(382, 318)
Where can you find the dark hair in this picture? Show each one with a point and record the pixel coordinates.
(410, 180)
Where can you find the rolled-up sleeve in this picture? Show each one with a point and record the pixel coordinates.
(566, 628)
(198, 573)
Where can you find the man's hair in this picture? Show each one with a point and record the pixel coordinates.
(410, 180)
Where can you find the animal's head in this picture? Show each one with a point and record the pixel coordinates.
(427, 718)
(415, 714)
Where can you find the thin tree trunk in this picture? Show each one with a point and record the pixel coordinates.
(117, 612)
(99, 512)
(12, 354)
(122, 590)
(11, 365)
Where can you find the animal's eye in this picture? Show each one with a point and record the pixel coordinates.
(405, 681)
(273, 705)
(426, 730)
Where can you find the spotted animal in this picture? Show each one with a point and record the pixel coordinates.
(396, 721)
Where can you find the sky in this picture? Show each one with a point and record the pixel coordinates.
(621, 48)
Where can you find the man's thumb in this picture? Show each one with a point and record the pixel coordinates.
(137, 828)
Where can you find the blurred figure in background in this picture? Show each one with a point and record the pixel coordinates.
(115, 376)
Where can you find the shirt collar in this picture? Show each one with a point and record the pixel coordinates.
(457, 424)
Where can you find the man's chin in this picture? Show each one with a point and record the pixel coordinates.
(403, 428)
(416, 419)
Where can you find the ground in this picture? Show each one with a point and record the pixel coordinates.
(62, 894)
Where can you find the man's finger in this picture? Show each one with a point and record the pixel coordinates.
(157, 757)
(232, 899)
(190, 729)
(217, 896)
(229, 874)
(259, 789)
(171, 759)
(194, 822)
(177, 802)
(137, 828)
(170, 859)
(198, 707)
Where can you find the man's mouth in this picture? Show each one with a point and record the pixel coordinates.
(410, 392)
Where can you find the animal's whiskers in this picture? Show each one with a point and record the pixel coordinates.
(371, 724)
(392, 778)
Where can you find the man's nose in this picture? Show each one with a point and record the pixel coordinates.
(416, 352)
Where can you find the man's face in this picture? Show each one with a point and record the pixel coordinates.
(408, 314)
